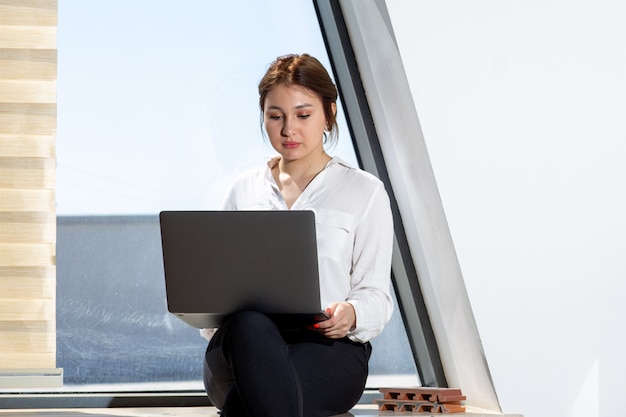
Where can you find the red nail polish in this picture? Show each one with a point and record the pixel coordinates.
(317, 326)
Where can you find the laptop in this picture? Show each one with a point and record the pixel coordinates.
(220, 262)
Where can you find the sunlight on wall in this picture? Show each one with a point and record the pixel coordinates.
(522, 105)
(587, 402)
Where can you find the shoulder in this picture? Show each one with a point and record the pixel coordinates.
(246, 177)
(353, 176)
(355, 190)
(251, 175)
(247, 188)
(358, 193)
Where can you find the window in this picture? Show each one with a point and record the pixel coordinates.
(157, 109)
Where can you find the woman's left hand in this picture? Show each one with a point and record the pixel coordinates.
(342, 320)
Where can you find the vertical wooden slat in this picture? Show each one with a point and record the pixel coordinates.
(28, 73)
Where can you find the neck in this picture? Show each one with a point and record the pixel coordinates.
(301, 169)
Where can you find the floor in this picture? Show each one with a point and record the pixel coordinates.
(188, 403)
(158, 412)
(360, 411)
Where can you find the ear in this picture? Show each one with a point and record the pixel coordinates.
(333, 107)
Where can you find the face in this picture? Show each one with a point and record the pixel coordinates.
(295, 122)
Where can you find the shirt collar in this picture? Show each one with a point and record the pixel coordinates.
(333, 161)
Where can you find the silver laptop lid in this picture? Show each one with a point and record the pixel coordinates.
(220, 262)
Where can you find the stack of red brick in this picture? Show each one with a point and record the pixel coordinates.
(421, 400)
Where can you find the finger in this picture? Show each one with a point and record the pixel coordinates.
(336, 334)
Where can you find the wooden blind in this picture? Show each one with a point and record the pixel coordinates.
(28, 73)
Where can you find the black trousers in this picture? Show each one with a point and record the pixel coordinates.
(254, 369)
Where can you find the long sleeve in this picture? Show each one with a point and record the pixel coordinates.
(371, 266)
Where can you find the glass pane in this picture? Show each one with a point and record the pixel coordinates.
(157, 110)
(158, 99)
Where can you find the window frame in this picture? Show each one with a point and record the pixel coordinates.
(389, 142)
(367, 147)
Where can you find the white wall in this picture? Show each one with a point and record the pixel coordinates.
(523, 107)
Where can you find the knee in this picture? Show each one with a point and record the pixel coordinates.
(248, 319)
(249, 325)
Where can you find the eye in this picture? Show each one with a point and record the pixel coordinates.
(274, 117)
(303, 116)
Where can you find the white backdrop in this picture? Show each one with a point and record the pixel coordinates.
(522, 105)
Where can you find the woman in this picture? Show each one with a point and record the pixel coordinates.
(252, 367)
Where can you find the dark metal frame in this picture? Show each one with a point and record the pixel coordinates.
(367, 147)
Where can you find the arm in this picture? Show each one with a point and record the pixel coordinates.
(369, 305)
(371, 271)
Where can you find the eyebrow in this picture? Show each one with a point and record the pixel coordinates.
(298, 107)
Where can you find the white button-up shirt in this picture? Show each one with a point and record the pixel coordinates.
(354, 235)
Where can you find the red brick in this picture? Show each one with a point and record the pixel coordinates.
(424, 394)
(422, 399)
(411, 406)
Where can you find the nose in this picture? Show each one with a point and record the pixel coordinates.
(286, 130)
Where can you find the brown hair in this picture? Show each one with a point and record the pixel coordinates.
(304, 71)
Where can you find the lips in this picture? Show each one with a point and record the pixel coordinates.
(291, 145)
